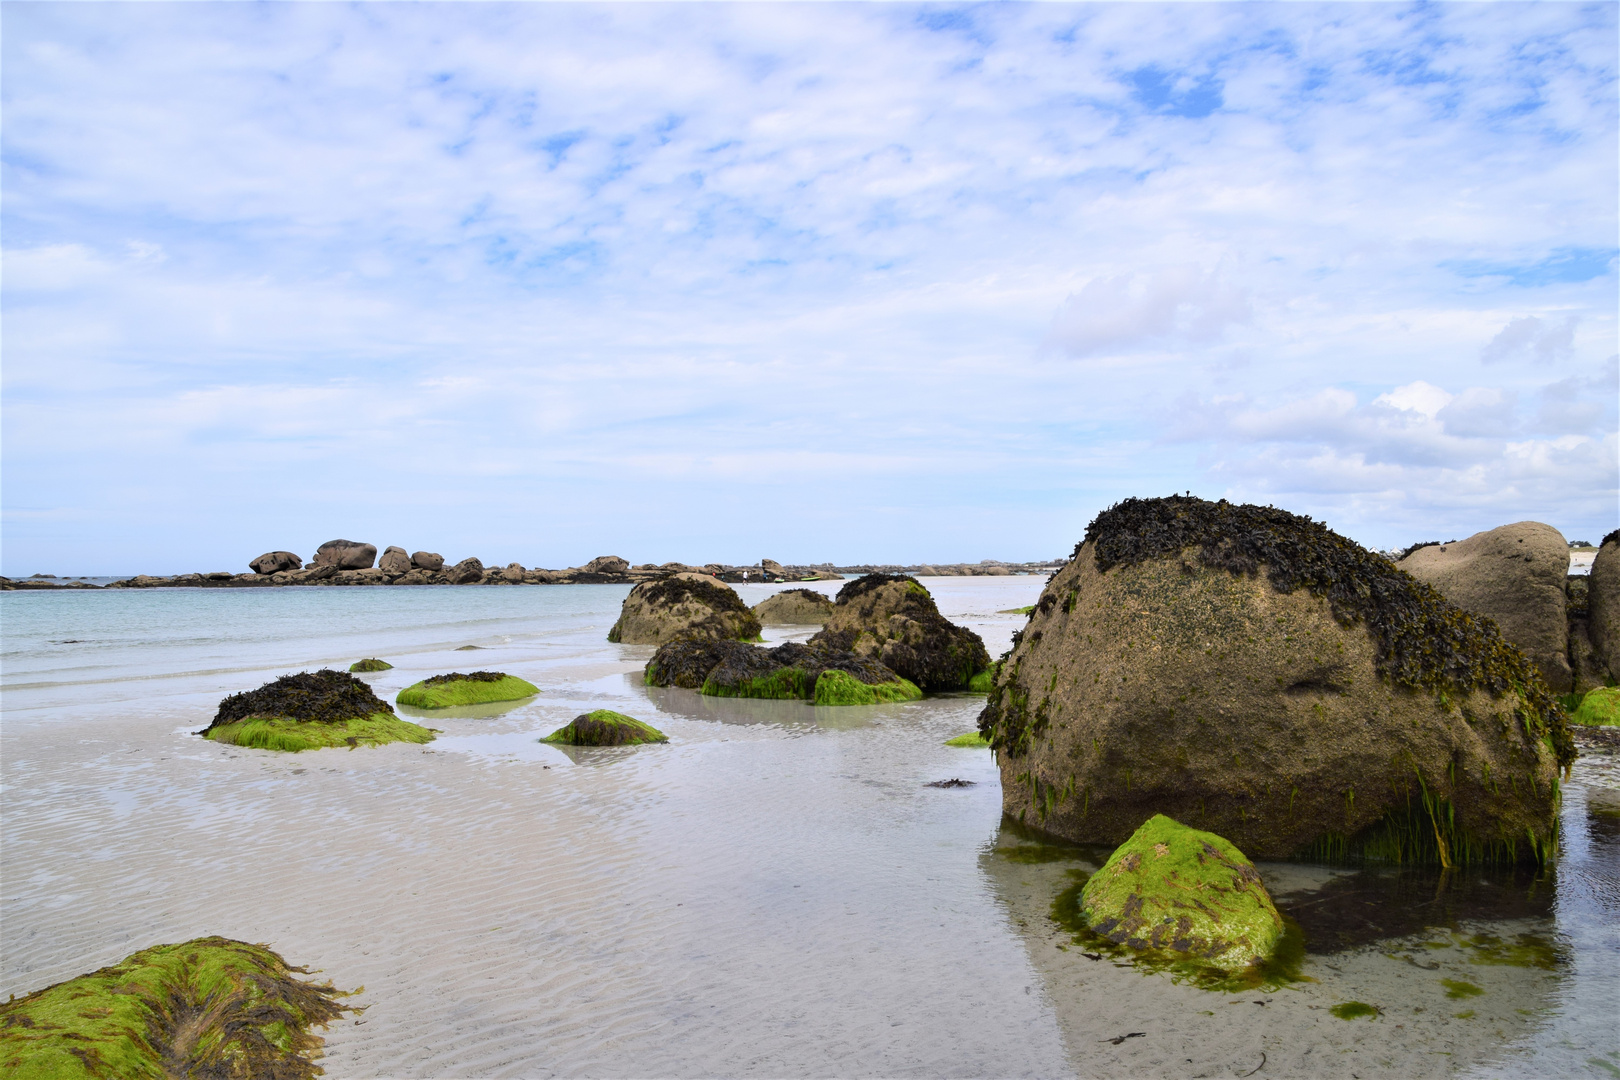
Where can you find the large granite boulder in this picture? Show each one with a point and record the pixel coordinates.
(683, 606)
(606, 564)
(469, 571)
(346, 555)
(1184, 890)
(1250, 672)
(795, 607)
(894, 620)
(1603, 605)
(430, 561)
(394, 561)
(274, 562)
(1515, 575)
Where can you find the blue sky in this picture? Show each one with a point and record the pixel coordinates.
(826, 282)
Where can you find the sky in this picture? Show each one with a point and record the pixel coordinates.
(817, 283)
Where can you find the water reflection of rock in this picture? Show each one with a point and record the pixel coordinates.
(692, 705)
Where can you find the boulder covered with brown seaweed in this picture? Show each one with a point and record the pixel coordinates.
(1250, 672)
(795, 607)
(1603, 605)
(893, 619)
(1515, 575)
(694, 606)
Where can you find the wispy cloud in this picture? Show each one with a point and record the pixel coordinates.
(297, 269)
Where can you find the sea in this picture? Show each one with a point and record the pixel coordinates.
(781, 890)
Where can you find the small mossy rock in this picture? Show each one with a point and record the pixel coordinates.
(893, 619)
(471, 688)
(795, 607)
(1514, 575)
(604, 727)
(211, 1007)
(1250, 672)
(693, 606)
(1599, 707)
(1603, 606)
(372, 664)
(1183, 890)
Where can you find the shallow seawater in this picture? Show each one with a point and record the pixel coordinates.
(777, 891)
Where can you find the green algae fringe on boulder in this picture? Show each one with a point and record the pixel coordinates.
(211, 1007)
(1250, 672)
(372, 664)
(893, 619)
(309, 711)
(1183, 890)
(604, 727)
(1600, 707)
(793, 671)
(834, 687)
(469, 688)
(972, 740)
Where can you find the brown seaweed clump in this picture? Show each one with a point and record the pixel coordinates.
(323, 696)
(893, 619)
(471, 676)
(1249, 672)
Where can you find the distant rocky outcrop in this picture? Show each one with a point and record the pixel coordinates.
(394, 561)
(606, 564)
(345, 555)
(895, 621)
(795, 607)
(1515, 575)
(427, 560)
(468, 571)
(1603, 607)
(683, 606)
(272, 562)
(1251, 672)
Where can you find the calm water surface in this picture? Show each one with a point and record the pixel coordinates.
(776, 892)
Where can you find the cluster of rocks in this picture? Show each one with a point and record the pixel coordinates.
(1250, 672)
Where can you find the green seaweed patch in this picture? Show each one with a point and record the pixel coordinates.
(970, 740)
(985, 681)
(604, 727)
(1355, 1010)
(1466, 1014)
(285, 733)
(782, 684)
(474, 688)
(1524, 951)
(1017, 610)
(211, 1007)
(1598, 708)
(372, 664)
(1284, 967)
(834, 687)
(1456, 989)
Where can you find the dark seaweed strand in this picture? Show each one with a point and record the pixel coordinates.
(854, 590)
(1422, 640)
(471, 676)
(326, 696)
(672, 590)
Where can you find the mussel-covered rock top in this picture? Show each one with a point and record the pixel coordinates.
(325, 695)
(1250, 672)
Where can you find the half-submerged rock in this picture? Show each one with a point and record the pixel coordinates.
(308, 711)
(795, 607)
(787, 672)
(208, 1007)
(465, 688)
(604, 727)
(371, 664)
(692, 606)
(1185, 891)
(893, 619)
(1515, 575)
(1250, 672)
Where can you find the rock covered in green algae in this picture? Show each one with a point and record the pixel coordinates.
(211, 1007)
(695, 606)
(795, 607)
(1184, 890)
(893, 619)
(604, 727)
(469, 688)
(309, 711)
(1249, 671)
(1600, 707)
(372, 664)
(786, 672)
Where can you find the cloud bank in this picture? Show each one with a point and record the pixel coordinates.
(538, 282)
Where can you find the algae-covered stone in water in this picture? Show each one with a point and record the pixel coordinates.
(470, 688)
(604, 727)
(309, 711)
(1184, 890)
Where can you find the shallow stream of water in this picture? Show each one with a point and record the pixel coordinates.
(777, 891)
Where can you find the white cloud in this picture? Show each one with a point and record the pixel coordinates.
(1531, 338)
(1118, 312)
